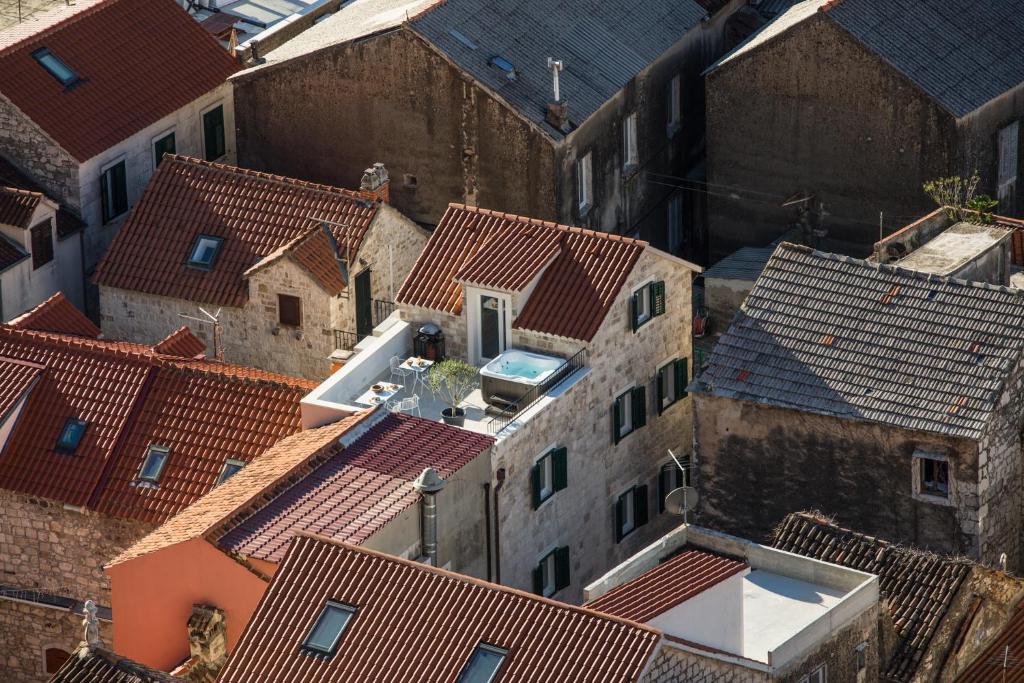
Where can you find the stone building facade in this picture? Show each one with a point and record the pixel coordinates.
(786, 119)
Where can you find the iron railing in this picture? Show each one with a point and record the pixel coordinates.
(381, 310)
(537, 392)
(344, 340)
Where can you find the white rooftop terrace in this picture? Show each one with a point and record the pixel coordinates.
(779, 607)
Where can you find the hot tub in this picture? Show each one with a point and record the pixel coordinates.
(509, 376)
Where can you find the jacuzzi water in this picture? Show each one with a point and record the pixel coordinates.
(523, 366)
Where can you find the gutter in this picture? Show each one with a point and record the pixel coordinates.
(497, 526)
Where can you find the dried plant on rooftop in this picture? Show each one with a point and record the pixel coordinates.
(956, 195)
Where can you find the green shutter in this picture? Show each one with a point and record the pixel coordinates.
(535, 483)
(560, 468)
(661, 391)
(682, 376)
(120, 181)
(640, 505)
(663, 485)
(561, 568)
(657, 298)
(639, 407)
(620, 513)
(616, 420)
(213, 133)
(538, 579)
(634, 310)
(104, 199)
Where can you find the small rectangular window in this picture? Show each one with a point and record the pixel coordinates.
(549, 475)
(584, 183)
(113, 191)
(675, 223)
(204, 251)
(326, 633)
(231, 467)
(672, 379)
(552, 572)
(55, 66)
(629, 149)
(934, 477)
(483, 664)
(42, 244)
(213, 134)
(153, 465)
(646, 303)
(289, 310)
(630, 511)
(164, 145)
(673, 96)
(629, 412)
(71, 435)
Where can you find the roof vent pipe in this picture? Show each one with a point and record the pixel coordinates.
(557, 114)
(555, 65)
(429, 484)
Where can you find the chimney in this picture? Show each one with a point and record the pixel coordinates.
(558, 109)
(90, 626)
(207, 642)
(429, 484)
(376, 183)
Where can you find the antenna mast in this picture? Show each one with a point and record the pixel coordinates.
(211, 319)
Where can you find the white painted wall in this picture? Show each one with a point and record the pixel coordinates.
(713, 618)
(137, 151)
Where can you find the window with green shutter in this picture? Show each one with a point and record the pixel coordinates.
(647, 303)
(549, 475)
(630, 511)
(113, 191)
(629, 413)
(552, 573)
(213, 134)
(672, 379)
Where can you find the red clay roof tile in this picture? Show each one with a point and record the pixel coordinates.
(17, 206)
(255, 213)
(67, 222)
(671, 583)
(16, 377)
(581, 271)
(58, 315)
(314, 251)
(130, 74)
(130, 397)
(414, 622)
(182, 343)
(96, 665)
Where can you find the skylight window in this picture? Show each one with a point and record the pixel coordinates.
(462, 38)
(483, 665)
(231, 467)
(327, 631)
(58, 69)
(504, 65)
(71, 435)
(153, 467)
(204, 251)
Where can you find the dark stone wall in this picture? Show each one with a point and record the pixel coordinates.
(979, 133)
(757, 464)
(813, 111)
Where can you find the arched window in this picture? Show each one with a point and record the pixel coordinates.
(54, 658)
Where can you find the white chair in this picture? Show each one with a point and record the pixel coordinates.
(398, 371)
(407, 405)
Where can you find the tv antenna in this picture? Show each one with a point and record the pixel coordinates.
(210, 319)
(683, 500)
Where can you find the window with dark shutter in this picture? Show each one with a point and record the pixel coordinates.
(560, 468)
(657, 298)
(562, 579)
(669, 479)
(165, 145)
(213, 134)
(639, 407)
(42, 244)
(548, 475)
(671, 381)
(640, 505)
(113, 192)
(289, 310)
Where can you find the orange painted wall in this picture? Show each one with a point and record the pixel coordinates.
(152, 598)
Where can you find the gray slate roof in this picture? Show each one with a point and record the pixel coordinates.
(834, 335)
(962, 53)
(602, 43)
(745, 263)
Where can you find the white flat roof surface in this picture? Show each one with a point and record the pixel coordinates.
(776, 608)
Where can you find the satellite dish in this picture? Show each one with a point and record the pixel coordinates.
(682, 500)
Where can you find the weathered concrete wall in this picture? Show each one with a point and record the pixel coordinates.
(458, 143)
(839, 653)
(791, 116)
(27, 631)
(723, 298)
(758, 463)
(979, 143)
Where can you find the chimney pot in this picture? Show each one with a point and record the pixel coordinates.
(376, 183)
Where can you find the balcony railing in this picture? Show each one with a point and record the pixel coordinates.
(344, 340)
(535, 393)
(381, 310)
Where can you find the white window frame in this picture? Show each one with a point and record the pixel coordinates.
(628, 512)
(919, 491)
(631, 156)
(154, 480)
(230, 461)
(585, 182)
(674, 105)
(473, 321)
(669, 382)
(675, 222)
(644, 314)
(547, 572)
(1008, 138)
(626, 411)
(547, 476)
(202, 129)
(160, 136)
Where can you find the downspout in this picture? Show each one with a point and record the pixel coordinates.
(497, 526)
(487, 526)
(429, 484)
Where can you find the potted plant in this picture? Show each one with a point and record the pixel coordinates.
(452, 380)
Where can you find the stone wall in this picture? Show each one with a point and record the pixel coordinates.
(675, 665)
(27, 631)
(31, 150)
(758, 463)
(839, 653)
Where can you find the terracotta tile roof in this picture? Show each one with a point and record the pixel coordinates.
(67, 222)
(16, 377)
(1002, 661)
(252, 486)
(130, 396)
(10, 253)
(58, 315)
(918, 587)
(418, 623)
(671, 583)
(360, 489)
(182, 343)
(17, 206)
(96, 665)
(255, 213)
(131, 75)
(584, 274)
(315, 252)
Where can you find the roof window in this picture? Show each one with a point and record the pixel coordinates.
(57, 68)
(462, 38)
(231, 468)
(204, 251)
(330, 625)
(71, 435)
(153, 466)
(504, 65)
(483, 665)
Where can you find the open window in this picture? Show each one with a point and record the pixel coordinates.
(113, 191)
(42, 244)
(165, 144)
(548, 475)
(214, 146)
(289, 310)
(326, 633)
(483, 665)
